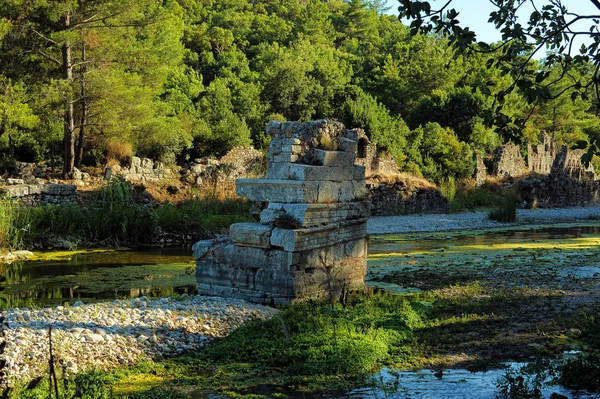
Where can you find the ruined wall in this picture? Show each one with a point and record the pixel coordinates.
(311, 239)
(369, 156)
(569, 183)
(398, 198)
(541, 157)
(481, 173)
(42, 194)
(508, 161)
(238, 162)
(145, 170)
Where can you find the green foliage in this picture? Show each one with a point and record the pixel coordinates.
(317, 338)
(583, 372)
(448, 188)
(505, 211)
(525, 382)
(441, 153)
(89, 385)
(13, 224)
(183, 79)
(115, 218)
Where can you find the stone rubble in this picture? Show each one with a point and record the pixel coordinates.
(108, 334)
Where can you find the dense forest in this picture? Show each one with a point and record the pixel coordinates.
(83, 81)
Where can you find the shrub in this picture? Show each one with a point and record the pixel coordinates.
(583, 372)
(505, 211)
(118, 150)
(448, 188)
(315, 337)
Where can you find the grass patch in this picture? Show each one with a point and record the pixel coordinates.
(308, 346)
(115, 218)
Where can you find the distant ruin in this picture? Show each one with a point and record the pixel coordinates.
(311, 240)
(550, 175)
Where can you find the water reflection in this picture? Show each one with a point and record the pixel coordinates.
(453, 384)
(97, 275)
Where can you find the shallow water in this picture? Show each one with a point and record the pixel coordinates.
(549, 254)
(97, 275)
(453, 384)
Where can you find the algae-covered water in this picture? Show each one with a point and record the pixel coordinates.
(56, 278)
(63, 277)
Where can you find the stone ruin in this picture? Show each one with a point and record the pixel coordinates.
(550, 176)
(311, 241)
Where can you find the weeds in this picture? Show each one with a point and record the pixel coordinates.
(448, 188)
(505, 211)
(319, 338)
(115, 218)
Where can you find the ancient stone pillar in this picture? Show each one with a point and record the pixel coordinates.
(311, 240)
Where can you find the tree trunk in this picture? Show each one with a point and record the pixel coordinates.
(69, 118)
(84, 105)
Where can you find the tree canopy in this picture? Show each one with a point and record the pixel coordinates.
(568, 69)
(181, 79)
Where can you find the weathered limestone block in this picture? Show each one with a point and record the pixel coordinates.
(312, 238)
(278, 276)
(297, 191)
(315, 237)
(251, 234)
(294, 171)
(333, 158)
(313, 215)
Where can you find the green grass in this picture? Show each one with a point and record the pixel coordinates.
(308, 346)
(114, 218)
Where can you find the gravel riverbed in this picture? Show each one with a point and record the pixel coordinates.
(477, 220)
(108, 334)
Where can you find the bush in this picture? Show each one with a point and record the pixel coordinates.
(505, 211)
(582, 372)
(318, 338)
(448, 188)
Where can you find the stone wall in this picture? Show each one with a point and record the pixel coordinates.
(372, 158)
(398, 198)
(311, 239)
(541, 157)
(569, 183)
(508, 162)
(145, 170)
(239, 162)
(42, 194)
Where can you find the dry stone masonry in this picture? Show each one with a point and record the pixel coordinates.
(311, 239)
(41, 194)
(145, 170)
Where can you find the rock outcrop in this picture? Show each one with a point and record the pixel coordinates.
(311, 239)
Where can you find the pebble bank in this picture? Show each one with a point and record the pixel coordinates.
(105, 335)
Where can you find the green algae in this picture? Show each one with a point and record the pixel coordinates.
(67, 276)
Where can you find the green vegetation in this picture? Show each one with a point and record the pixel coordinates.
(214, 72)
(115, 218)
(313, 345)
(505, 212)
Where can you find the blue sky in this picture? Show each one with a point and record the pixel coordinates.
(475, 14)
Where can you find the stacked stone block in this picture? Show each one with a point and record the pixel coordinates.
(311, 239)
(42, 194)
(146, 170)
